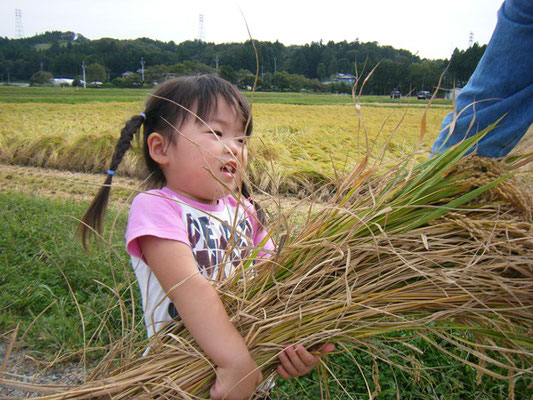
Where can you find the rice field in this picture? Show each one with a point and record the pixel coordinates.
(293, 146)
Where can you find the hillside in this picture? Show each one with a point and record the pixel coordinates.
(62, 54)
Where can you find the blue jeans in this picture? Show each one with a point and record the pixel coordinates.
(501, 86)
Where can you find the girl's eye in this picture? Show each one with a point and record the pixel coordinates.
(213, 132)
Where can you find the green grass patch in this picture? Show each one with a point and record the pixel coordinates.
(317, 99)
(69, 95)
(44, 272)
(429, 374)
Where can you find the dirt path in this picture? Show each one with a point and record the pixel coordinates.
(58, 184)
(23, 368)
(81, 187)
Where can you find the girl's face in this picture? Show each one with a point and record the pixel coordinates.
(207, 160)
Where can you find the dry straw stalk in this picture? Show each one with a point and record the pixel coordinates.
(442, 250)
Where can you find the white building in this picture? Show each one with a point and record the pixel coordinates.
(348, 79)
(62, 81)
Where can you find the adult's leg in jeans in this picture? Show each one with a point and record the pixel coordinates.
(501, 86)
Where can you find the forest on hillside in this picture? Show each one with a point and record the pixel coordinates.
(313, 66)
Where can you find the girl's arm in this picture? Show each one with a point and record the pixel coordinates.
(204, 316)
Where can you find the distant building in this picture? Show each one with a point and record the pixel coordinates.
(347, 79)
(127, 74)
(62, 81)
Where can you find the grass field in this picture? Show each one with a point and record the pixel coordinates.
(79, 95)
(43, 268)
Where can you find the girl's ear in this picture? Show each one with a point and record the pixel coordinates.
(157, 146)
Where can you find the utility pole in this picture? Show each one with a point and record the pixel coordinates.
(201, 28)
(19, 30)
(216, 62)
(275, 64)
(83, 75)
(142, 69)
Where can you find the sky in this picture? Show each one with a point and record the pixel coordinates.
(429, 28)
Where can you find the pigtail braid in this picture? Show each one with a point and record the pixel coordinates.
(91, 222)
(259, 211)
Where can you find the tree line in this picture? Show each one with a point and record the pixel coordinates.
(311, 66)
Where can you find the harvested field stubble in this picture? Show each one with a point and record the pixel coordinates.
(442, 250)
(293, 148)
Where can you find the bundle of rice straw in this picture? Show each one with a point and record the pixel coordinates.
(442, 250)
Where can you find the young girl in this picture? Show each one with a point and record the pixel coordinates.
(200, 218)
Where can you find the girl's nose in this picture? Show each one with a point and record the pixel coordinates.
(233, 146)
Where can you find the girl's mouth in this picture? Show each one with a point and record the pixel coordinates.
(229, 168)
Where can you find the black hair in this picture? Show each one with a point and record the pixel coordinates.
(168, 107)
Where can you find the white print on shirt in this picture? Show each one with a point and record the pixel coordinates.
(219, 240)
(210, 240)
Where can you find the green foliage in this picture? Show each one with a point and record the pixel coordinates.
(281, 81)
(63, 53)
(463, 63)
(95, 72)
(427, 374)
(130, 81)
(41, 78)
(246, 80)
(285, 82)
(340, 87)
(227, 72)
(43, 270)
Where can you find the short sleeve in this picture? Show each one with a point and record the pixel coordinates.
(154, 214)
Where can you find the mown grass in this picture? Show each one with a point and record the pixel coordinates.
(10, 94)
(43, 268)
(45, 272)
(69, 95)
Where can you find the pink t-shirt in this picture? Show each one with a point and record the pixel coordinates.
(219, 235)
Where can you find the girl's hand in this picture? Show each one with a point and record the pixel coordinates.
(295, 360)
(237, 382)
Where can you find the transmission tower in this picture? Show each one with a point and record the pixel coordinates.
(201, 31)
(470, 39)
(19, 30)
